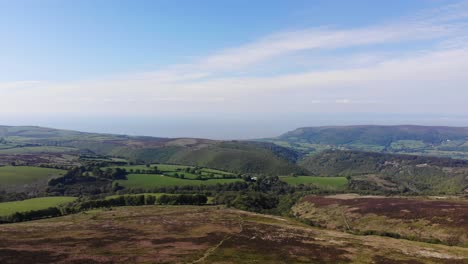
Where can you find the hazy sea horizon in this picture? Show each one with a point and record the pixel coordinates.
(226, 126)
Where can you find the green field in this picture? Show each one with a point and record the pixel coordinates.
(169, 169)
(9, 208)
(147, 181)
(33, 150)
(186, 175)
(161, 167)
(325, 182)
(207, 171)
(213, 174)
(17, 175)
(407, 144)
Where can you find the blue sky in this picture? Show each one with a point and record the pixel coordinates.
(244, 59)
(62, 40)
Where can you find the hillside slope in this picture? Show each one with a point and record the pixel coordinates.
(188, 234)
(428, 140)
(390, 172)
(27, 145)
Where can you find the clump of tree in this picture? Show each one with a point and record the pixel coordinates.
(13, 196)
(148, 170)
(182, 199)
(32, 215)
(138, 200)
(83, 180)
(111, 174)
(249, 201)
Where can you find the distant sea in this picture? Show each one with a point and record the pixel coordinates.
(222, 126)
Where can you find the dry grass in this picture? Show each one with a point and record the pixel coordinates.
(416, 218)
(185, 234)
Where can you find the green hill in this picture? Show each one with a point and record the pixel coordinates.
(64, 145)
(240, 156)
(424, 140)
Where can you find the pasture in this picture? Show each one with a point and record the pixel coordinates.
(147, 181)
(18, 175)
(36, 150)
(323, 182)
(9, 208)
(170, 169)
(161, 167)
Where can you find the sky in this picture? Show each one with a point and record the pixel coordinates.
(232, 69)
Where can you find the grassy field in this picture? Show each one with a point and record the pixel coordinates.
(16, 175)
(9, 208)
(325, 182)
(147, 181)
(35, 150)
(186, 175)
(161, 167)
(407, 144)
(202, 234)
(207, 171)
(169, 169)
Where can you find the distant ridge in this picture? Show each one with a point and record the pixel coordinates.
(441, 141)
(236, 156)
(377, 133)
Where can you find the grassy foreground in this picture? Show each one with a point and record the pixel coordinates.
(9, 208)
(190, 234)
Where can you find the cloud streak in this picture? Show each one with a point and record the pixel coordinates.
(432, 72)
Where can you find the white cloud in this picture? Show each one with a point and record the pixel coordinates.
(18, 85)
(343, 101)
(408, 80)
(431, 24)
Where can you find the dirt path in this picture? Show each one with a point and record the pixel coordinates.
(211, 250)
(345, 220)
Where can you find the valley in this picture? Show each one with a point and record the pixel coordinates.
(122, 199)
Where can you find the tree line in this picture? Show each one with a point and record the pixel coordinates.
(124, 200)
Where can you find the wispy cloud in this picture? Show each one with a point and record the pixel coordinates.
(19, 85)
(431, 24)
(411, 79)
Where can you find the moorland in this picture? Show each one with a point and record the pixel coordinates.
(359, 194)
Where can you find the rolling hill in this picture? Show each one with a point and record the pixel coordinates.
(28, 145)
(424, 140)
